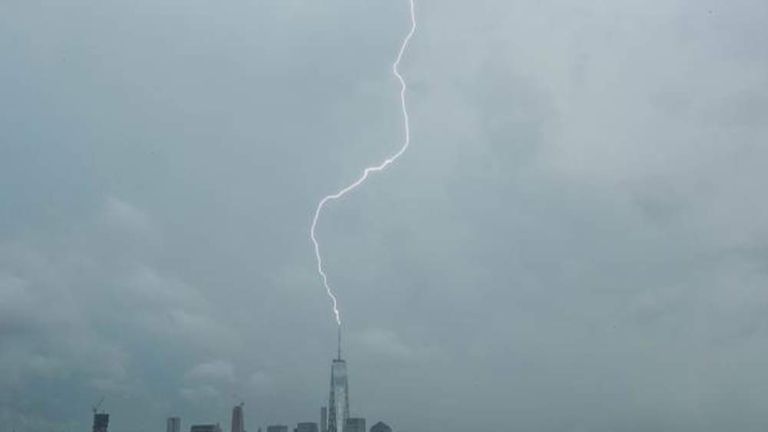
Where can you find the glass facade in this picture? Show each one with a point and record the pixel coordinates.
(339, 399)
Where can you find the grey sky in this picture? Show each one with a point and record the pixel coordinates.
(577, 239)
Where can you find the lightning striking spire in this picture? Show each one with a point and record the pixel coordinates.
(339, 328)
(369, 170)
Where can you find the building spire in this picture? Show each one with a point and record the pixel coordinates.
(339, 347)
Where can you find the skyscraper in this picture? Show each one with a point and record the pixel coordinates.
(173, 424)
(381, 427)
(354, 425)
(324, 419)
(277, 428)
(238, 423)
(100, 421)
(306, 427)
(205, 428)
(338, 403)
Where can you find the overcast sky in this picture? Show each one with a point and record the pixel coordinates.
(577, 239)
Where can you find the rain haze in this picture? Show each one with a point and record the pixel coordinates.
(576, 240)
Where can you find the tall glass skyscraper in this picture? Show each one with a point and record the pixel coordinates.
(338, 403)
(238, 423)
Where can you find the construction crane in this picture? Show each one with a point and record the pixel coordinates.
(97, 405)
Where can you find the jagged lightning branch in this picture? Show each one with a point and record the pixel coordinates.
(369, 170)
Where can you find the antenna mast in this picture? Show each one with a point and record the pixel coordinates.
(96, 406)
(339, 343)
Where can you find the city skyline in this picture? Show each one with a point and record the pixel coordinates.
(339, 413)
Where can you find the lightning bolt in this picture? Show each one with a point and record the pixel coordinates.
(369, 170)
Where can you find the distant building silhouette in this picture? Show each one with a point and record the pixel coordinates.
(100, 421)
(238, 423)
(338, 403)
(205, 428)
(324, 419)
(381, 427)
(277, 428)
(354, 425)
(173, 424)
(307, 427)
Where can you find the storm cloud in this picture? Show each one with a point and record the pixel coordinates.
(576, 240)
